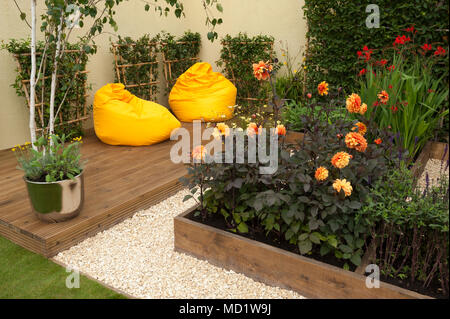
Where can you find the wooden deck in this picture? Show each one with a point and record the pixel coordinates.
(119, 181)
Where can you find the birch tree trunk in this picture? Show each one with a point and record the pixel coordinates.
(51, 124)
(33, 75)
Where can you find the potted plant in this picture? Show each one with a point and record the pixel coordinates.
(53, 176)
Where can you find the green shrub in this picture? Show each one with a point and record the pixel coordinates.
(410, 228)
(337, 30)
(292, 203)
(294, 115)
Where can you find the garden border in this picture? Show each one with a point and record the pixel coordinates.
(309, 277)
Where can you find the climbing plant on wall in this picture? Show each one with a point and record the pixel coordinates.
(136, 65)
(236, 58)
(74, 108)
(179, 54)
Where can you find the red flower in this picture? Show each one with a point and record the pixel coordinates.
(378, 141)
(410, 29)
(366, 53)
(394, 109)
(401, 40)
(309, 95)
(376, 103)
(381, 62)
(362, 72)
(426, 47)
(440, 51)
(391, 68)
(430, 91)
(390, 86)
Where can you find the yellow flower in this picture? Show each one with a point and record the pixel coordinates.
(13, 149)
(285, 63)
(344, 185)
(305, 67)
(340, 159)
(323, 88)
(295, 71)
(321, 174)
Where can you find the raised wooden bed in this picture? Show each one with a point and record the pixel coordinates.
(275, 266)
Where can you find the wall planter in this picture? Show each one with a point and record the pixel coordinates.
(56, 201)
(274, 266)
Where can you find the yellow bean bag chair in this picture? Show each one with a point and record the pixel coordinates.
(201, 94)
(120, 118)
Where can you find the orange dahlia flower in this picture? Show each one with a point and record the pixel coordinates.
(199, 153)
(378, 141)
(383, 96)
(253, 129)
(281, 130)
(361, 127)
(356, 141)
(323, 88)
(321, 174)
(262, 70)
(344, 185)
(340, 159)
(354, 103)
(363, 109)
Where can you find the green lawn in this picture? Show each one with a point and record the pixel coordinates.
(24, 274)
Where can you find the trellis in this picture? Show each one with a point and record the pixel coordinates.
(72, 111)
(169, 73)
(238, 82)
(137, 87)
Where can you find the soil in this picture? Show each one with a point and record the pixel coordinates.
(217, 221)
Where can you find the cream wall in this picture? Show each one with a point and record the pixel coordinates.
(282, 19)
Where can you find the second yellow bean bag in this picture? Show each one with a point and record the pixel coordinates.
(201, 94)
(120, 118)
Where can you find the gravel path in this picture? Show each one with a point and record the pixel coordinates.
(137, 257)
(434, 168)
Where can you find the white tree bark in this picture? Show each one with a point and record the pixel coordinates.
(51, 124)
(33, 75)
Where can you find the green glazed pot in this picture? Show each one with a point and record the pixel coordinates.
(56, 201)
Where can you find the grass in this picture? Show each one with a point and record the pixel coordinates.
(25, 275)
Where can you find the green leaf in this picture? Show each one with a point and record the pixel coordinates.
(219, 7)
(324, 250)
(333, 242)
(356, 259)
(242, 228)
(305, 246)
(315, 238)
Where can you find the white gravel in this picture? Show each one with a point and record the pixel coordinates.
(436, 169)
(137, 257)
